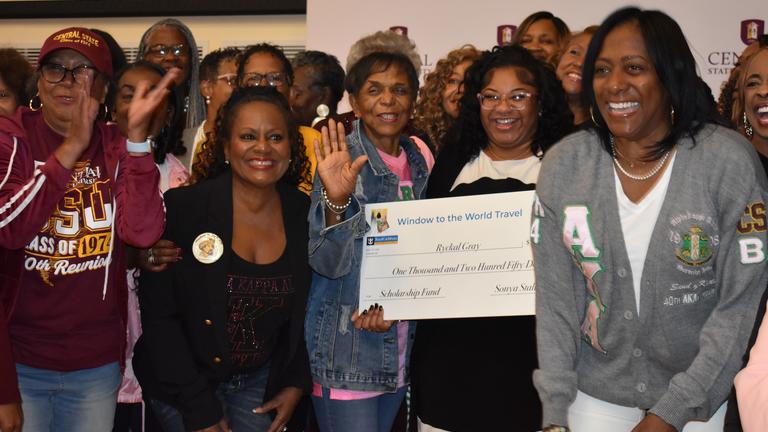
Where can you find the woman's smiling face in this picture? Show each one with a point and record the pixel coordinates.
(756, 94)
(628, 91)
(509, 125)
(384, 104)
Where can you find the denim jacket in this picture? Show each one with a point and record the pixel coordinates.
(340, 355)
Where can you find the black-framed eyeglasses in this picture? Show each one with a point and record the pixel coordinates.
(230, 79)
(55, 73)
(163, 50)
(253, 79)
(517, 101)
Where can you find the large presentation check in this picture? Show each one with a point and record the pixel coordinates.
(450, 257)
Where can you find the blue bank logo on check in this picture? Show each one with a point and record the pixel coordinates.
(381, 240)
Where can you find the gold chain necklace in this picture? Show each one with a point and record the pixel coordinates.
(496, 157)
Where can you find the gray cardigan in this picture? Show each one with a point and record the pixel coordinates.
(702, 279)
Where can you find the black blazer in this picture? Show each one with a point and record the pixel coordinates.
(183, 353)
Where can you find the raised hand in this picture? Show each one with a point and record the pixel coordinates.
(334, 166)
(81, 127)
(144, 103)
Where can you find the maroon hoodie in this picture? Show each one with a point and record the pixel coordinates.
(62, 232)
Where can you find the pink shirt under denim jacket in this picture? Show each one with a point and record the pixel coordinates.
(400, 167)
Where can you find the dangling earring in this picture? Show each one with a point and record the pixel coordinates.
(207, 100)
(106, 113)
(672, 115)
(32, 100)
(186, 104)
(592, 115)
(747, 125)
(322, 113)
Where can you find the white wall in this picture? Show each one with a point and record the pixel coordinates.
(711, 26)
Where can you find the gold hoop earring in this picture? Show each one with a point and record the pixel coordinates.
(747, 125)
(32, 100)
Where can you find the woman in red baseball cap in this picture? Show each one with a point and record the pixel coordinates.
(72, 192)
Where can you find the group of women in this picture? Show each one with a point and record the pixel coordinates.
(648, 234)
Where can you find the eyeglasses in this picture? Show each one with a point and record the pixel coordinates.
(274, 79)
(55, 73)
(517, 100)
(230, 79)
(160, 51)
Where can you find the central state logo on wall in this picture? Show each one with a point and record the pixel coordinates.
(751, 29)
(505, 33)
(695, 249)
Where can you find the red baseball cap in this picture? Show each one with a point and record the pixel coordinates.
(84, 41)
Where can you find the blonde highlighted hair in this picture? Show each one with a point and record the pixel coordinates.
(430, 116)
(740, 71)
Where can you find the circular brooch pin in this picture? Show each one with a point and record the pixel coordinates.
(208, 248)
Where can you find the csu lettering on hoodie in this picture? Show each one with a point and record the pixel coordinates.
(751, 248)
(77, 235)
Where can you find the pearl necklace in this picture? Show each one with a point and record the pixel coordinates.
(643, 177)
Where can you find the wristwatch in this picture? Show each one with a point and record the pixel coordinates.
(140, 147)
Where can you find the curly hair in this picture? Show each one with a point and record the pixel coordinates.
(383, 41)
(555, 118)
(15, 71)
(728, 95)
(733, 102)
(212, 161)
(430, 115)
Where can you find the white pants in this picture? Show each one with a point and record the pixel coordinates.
(588, 414)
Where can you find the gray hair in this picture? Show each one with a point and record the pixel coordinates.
(196, 108)
(384, 41)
